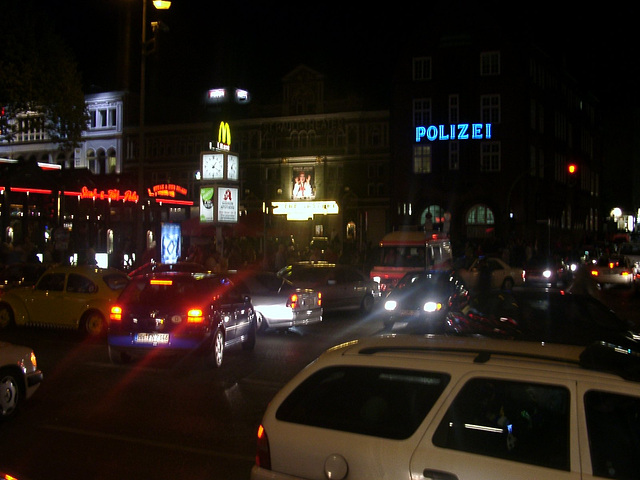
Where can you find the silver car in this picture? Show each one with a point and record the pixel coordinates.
(341, 286)
(278, 304)
(19, 377)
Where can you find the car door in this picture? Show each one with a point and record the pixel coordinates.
(227, 305)
(502, 427)
(242, 309)
(45, 303)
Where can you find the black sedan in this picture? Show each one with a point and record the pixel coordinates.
(178, 312)
(421, 300)
(539, 314)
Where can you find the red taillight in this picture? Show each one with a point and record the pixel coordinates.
(115, 315)
(195, 316)
(263, 455)
(319, 299)
(594, 273)
(293, 300)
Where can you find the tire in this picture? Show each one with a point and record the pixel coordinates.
(250, 343)
(93, 324)
(117, 357)
(367, 304)
(261, 323)
(216, 354)
(10, 394)
(507, 284)
(6, 317)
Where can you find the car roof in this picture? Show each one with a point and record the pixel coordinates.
(600, 358)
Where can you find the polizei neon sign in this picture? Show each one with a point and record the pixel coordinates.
(461, 131)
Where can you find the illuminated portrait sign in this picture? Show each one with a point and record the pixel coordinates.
(460, 131)
(302, 184)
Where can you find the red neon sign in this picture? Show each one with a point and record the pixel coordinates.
(166, 190)
(111, 194)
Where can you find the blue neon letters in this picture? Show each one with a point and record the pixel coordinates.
(461, 131)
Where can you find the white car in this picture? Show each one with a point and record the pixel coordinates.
(19, 377)
(613, 270)
(503, 275)
(455, 408)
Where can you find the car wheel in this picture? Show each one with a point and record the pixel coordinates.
(10, 394)
(93, 324)
(117, 357)
(261, 323)
(367, 304)
(507, 284)
(250, 342)
(217, 349)
(6, 316)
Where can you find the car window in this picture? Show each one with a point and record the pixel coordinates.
(116, 281)
(520, 421)
(51, 281)
(80, 284)
(613, 425)
(388, 403)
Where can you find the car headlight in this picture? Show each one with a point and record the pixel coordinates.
(390, 305)
(432, 307)
(546, 274)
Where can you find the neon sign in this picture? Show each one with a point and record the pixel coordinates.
(461, 131)
(166, 190)
(224, 136)
(112, 194)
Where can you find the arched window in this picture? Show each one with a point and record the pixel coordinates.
(436, 212)
(111, 161)
(480, 222)
(91, 161)
(102, 162)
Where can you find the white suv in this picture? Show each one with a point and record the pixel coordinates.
(455, 408)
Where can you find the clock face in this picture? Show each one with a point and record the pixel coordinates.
(232, 167)
(212, 166)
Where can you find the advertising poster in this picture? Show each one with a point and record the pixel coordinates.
(170, 234)
(206, 204)
(227, 204)
(302, 184)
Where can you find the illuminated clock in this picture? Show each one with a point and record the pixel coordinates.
(232, 167)
(212, 166)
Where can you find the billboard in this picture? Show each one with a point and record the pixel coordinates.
(170, 234)
(302, 184)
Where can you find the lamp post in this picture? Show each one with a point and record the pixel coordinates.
(159, 5)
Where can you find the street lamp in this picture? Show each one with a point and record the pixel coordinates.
(159, 5)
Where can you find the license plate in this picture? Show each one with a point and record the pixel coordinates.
(153, 338)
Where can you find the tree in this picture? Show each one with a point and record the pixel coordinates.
(39, 79)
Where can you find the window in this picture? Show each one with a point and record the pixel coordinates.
(80, 284)
(490, 63)
(454, 155)
(454, 109)
(421, 69)
(518, 421)
(480, 215)
(490, 108)
(613, 425)
(421, 111)
(490, 157)
(422, 159)
(52, 281)
(383, 402)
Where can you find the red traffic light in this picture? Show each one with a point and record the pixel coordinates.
(572, 168)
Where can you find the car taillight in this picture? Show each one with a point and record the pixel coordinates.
(319, 299)
(293, 300)
(263, 455)
(195, 316)
(115, 315)
(594, 273)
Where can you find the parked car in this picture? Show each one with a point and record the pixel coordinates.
(547, 272)
(541, 314)
(24, 274)
(421, 300)
(77, 297)
(277, 303)
(341, 286)
(407, 406)
(154, 267)
(497, 272)
(614, 271)
(20, 377)
(179, 312)
(632, 252)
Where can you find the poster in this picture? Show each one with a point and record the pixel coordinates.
(206, 204)
(170, 242)
(227, 205)
(302, 184)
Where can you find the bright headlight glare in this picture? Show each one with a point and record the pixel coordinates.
(432, 306)
(546, 274)
(390, 305)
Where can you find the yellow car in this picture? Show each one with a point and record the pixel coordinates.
(77, 297)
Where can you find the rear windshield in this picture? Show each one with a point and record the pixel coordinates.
(164, 290)
(388, 403)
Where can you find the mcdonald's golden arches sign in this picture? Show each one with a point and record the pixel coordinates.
(224, 136)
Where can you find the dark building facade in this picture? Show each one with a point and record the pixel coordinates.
(485, 128)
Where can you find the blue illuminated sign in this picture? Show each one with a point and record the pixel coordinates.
(461, 131)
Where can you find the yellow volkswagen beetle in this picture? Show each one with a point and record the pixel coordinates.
(77, 297)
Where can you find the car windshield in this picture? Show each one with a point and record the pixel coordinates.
(163, 290)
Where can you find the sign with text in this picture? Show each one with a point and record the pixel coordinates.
(460, 131)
